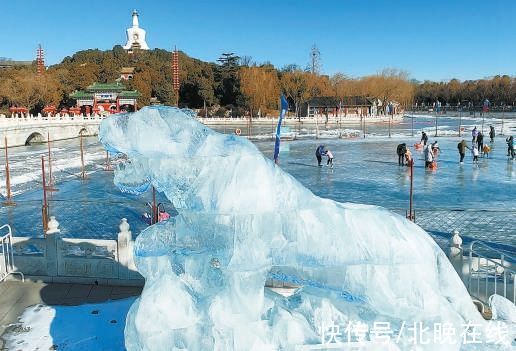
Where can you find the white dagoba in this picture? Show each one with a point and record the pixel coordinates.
(136, 35)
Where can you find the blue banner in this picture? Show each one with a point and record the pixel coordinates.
(284, 109)
(485, 108)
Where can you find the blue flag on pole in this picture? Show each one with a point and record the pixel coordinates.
(284, 109)
(485, 108)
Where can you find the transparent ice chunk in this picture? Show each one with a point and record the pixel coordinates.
(244, 222)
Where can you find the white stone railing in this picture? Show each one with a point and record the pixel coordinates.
(66, 260)
(21, 119)
(483, 269)
(319, 119)
(39, 119)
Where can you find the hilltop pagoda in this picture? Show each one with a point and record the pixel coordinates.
(102, 98)
(136, 36)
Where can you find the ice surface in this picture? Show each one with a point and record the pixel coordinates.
(243, 220)
(372, 161)
(78, 328)
(502, 308)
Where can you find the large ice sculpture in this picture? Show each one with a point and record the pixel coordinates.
(243, 220)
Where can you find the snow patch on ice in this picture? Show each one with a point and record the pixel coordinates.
(78, 328)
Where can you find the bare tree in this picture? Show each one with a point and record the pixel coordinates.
(296, 86)
(260, 85)
(247, 61)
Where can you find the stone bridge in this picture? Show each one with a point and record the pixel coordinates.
(35, 129)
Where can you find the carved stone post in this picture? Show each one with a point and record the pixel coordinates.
(51, 240)
(125, 253)
(455, 252)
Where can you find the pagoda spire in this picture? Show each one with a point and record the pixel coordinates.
(136, 36)
(175, 74)
(136, 24)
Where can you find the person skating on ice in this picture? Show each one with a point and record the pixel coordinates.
(318, 154)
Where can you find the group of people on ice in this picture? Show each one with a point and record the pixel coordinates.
(322, 151)
(479, 148)
(432, 151)
(477, 145)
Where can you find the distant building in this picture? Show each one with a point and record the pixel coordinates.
(136, 36)
(102, 98)
(6, 63)
(332, 106)
(127, 73)
(155, 101)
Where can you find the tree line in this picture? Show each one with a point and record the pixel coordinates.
(499, 90)
(231, 85)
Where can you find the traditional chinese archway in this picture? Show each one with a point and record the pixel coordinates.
(108, 97)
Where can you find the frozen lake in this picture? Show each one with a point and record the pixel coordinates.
(365, 171)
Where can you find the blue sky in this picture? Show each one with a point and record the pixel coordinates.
(437, 40)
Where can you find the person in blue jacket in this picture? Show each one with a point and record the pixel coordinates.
(319, 153)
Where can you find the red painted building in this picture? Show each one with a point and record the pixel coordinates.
(103, 98)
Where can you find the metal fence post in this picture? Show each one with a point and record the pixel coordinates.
(6, 252)
(9, 201)
(44, 207)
